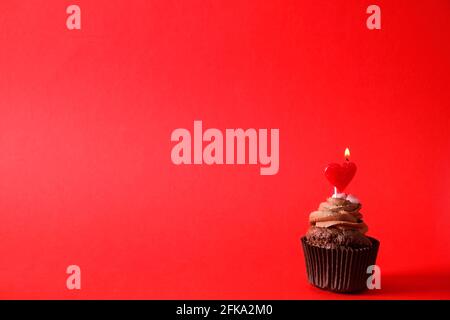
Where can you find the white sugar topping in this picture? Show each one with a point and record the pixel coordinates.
(339, 196)
(352, 199)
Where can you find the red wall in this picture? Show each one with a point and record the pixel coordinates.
(86, 116)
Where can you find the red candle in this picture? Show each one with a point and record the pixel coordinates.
(341, 175)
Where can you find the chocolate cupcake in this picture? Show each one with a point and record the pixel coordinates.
(337, 251)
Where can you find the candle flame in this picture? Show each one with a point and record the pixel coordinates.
(347, 154)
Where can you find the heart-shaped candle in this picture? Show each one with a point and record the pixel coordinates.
(341, 175)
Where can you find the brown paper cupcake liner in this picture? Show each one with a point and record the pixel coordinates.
(341, 269)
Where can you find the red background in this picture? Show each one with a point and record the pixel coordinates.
(85, 123)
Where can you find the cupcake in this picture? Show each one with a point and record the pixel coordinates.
(336, 248)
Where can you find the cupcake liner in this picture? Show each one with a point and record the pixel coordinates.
(340, 269)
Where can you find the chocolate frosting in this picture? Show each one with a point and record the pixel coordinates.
(338, 213)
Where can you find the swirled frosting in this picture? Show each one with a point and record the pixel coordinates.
(339, 212)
